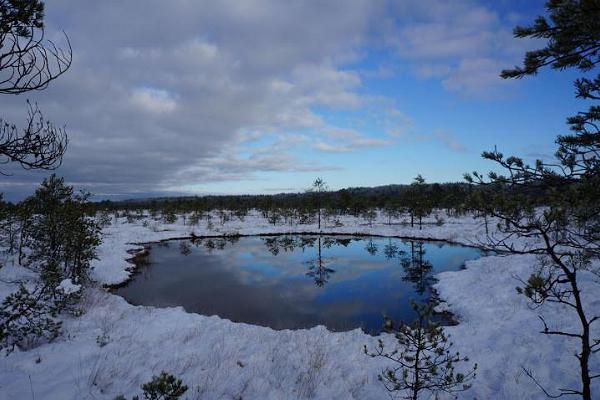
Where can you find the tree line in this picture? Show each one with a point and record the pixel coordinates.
(418, 200)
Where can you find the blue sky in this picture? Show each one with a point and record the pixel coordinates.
(264, 96)
(444, 130)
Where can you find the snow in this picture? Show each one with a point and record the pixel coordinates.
(68, 287)
(500, 331)
(114, 347)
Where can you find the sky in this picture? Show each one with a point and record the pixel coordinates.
(263, 96)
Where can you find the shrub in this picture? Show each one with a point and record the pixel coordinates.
(27, 316)
(169, 217)
(104, 219)
(162, 387)
(61, 238)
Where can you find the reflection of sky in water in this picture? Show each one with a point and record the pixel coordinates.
(269, 281)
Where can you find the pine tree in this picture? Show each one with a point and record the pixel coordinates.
(419, 204)
(568, 226)
(423, 361)
(104, 218)
(61, 237)
(164, 387)
(28, 315)
(318, 188)
(195, 218)
(169, 216)
(391, 210)
(369, 215)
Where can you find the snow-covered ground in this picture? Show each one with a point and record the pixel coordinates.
(114, 347)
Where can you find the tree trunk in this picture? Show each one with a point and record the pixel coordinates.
(584, 356)
(319, 218)
(586, 351)
(583, 362)
(21, 239)
(486, 224)
(417, 383)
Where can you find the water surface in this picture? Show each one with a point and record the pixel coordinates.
(291, 282)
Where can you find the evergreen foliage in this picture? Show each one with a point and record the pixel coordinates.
(318, 188)
(423, 360)
(104, 218)
(26, 316)
(162, 387)
(59, 240)
(60, 236)
(169, 216)
(21, 17)
(568, 226)
(453, 197)
(419, 203)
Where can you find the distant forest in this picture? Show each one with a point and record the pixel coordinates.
(455, 198)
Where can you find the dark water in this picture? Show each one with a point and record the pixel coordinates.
(291, 282)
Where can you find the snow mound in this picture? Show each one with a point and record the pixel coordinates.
(68, 287)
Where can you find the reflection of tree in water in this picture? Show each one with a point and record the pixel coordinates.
(317, 268)
(277, 243)
(391, 250)
(272, 245)
(185, 248)
(212, 244)
(305, 242)
(344, 242)
(416, 268)
(287, 243)
(209, 245)
(371, 247)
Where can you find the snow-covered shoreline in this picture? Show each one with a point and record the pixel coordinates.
(121, 239)
(114, 346)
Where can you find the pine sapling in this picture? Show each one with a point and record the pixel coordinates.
(422, 360)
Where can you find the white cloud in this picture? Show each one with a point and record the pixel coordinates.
(445, 138)
(464, 44)
(347, 140)
(474, 75)
(153, 100)
(331, 148)
(449, 141)
(168, 98)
